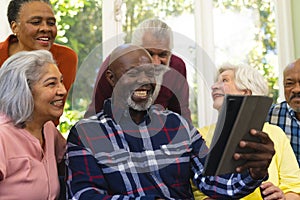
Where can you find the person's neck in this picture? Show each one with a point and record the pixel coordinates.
(14, 48)
(137, 116)
(36, 129)
(298, 115)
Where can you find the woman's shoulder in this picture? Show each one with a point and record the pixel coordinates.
(5, 123)
(276, 134)
(66, 59)
(4, 49)
(50, 128)
(58, 49)
(274, 131)
(50, 125)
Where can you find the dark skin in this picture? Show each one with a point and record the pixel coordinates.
(291, 83)
(129, 75)
(35, 27)
(257, 162)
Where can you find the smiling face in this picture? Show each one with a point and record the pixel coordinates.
(133, 78)
(35, 27)
(291, 84)
(48, 93)
(159, 49)
(141, 88)
(225, 84)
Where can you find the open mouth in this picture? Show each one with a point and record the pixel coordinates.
(44, 39)
(140, 93)
(217, 95)
(58, 103)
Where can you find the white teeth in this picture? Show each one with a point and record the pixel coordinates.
(45, 39)
(58, 103)
(140, 93)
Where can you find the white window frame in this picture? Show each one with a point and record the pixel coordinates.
(113, 36)
(5, 29)
(204, 39)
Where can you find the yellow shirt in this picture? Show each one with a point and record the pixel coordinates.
(283, 170)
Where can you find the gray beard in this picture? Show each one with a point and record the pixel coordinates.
(160, 70)
(140, 106)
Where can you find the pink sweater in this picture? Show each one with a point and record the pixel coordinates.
(26, 170)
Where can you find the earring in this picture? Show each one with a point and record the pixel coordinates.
(15, 34)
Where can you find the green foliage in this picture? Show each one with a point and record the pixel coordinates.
(139, 10)
(80, 24)
(68, 119)
(80, 27)
(265, 37)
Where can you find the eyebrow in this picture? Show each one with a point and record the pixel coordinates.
(53, 78)
(162, 52)
(50, 78)
(289, 79)
(40, 17)
(225, 75)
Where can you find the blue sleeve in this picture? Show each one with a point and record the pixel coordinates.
(227, 186)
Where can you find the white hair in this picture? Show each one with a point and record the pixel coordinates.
(17, 75)
(157, 28)
(247, 78)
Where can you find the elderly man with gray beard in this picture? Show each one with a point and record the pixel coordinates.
(135, 150)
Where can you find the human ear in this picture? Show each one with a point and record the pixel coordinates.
(14, 27)
(110, 77)
(247, 92)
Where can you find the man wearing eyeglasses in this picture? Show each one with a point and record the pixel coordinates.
(156, 37)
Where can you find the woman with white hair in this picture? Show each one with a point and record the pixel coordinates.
(31, 97)
(284, 173)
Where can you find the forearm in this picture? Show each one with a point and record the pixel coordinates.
(226, 186)
(292, 196)
(236, 186)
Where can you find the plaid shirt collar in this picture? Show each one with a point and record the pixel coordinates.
(291, 111)
(121, 115)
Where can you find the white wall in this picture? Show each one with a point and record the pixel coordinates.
(4, 30)
(112, 26)
(285, 39)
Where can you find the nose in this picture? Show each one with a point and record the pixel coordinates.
(44, 26)
(143, 78)
(156, 60)
(215, 86)
(61, 90)
(296, 89)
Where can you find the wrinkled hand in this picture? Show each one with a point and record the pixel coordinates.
(259, 160)
(271, 192)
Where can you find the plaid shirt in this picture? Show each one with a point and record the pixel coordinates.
(284, 116)
(110, 157)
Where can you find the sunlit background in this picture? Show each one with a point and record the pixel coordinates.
(207, 33)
